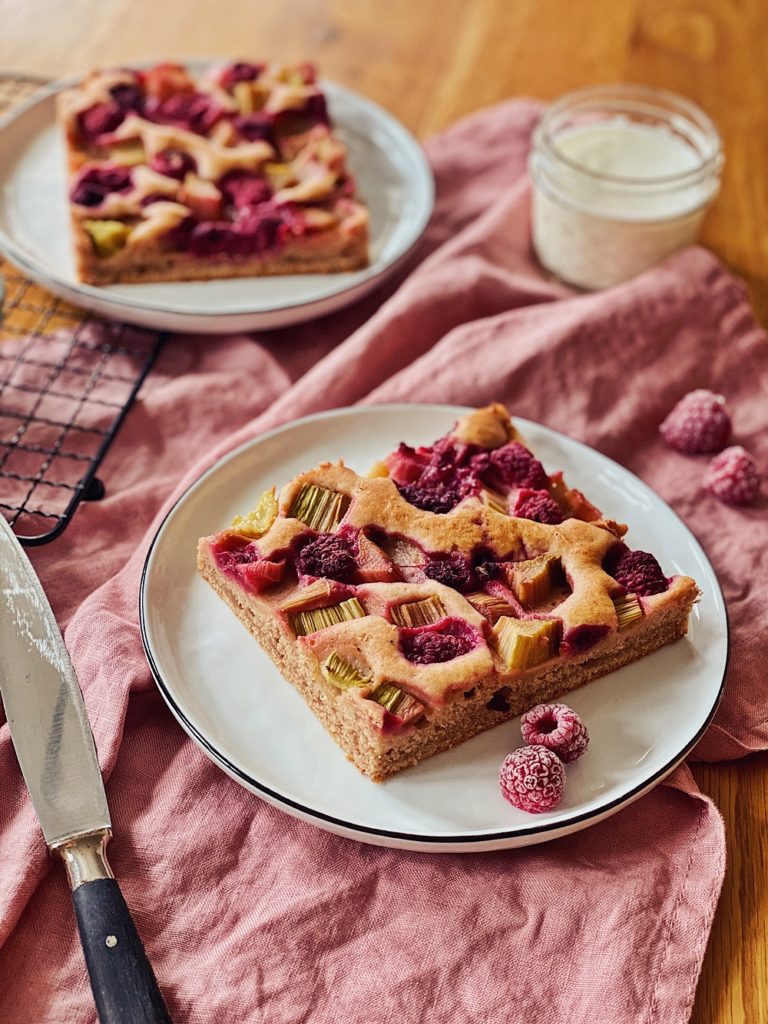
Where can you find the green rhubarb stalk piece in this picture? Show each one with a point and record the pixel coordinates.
(319, 508)
(419, 613)
(320, 618)
(399, 703)
(531, 581)
(490, 606)
(341, 673)
(628, 610)
(108, 236)
(494, 500)
(315, 592)
(256, 522)
(523, 643)
(128, 153)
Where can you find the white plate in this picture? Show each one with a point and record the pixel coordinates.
(393, 178)
(230, 698)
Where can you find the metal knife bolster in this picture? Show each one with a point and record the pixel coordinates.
(85, 857)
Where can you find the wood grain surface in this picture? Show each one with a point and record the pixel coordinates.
(430, 61)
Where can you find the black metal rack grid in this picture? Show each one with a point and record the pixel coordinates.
(66, 383)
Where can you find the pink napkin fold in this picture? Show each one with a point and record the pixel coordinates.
(250, 915)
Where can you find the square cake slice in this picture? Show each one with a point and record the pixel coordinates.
(235, 173)
(453, 588)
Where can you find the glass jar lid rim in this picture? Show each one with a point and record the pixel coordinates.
(685, 108)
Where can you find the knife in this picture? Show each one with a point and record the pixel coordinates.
(55, 749)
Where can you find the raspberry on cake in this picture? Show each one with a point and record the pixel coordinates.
(427, 602)
(235, 173)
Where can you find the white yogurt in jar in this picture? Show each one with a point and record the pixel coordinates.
(620, 182)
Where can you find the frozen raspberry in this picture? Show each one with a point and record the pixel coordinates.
(732, 476)
(173, 163)
(447, 640)
(453, 571)
(538, 506)
(558, 728)
(436, 497)
(698, 423)
(639, 573)
(514, 466)
(327, 555)
(532, 779)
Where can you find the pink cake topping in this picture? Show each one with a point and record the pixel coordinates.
(440, 642)
(106, 117)
(173, 163)
(241, 71)
(538, 506)
(242, 561)
(557, 727)
(532, 779)
(637, 571)
(435, 497)
(328, 555)
(514, 466)
(580, 638)
(100, 119)
(259, 575)
(407, 464)
(437, 478)
(259, 232)
(192, 111)
(95, 184)
(244, 189)
(452, 570)
(254, 127)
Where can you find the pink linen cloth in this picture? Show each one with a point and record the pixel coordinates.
(249, 915)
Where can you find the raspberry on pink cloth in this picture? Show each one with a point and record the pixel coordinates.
(250, 915)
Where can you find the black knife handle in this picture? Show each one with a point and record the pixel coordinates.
(124, 986)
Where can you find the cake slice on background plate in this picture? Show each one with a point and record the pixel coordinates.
(453, 588)
(235, 173)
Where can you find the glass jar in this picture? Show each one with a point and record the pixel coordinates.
(622, 176)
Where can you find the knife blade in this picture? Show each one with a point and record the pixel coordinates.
(57, 756)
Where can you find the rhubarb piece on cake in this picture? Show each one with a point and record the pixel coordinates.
(234, 173)
(454, 588)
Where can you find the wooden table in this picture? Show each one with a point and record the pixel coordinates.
(430, 61)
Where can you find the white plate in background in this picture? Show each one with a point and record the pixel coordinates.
(393, 176)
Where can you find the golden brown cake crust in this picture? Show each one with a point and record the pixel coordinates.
(479, 688)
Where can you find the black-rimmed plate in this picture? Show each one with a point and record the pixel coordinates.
(231, 699)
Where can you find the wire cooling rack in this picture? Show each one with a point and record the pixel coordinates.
(67, 381)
